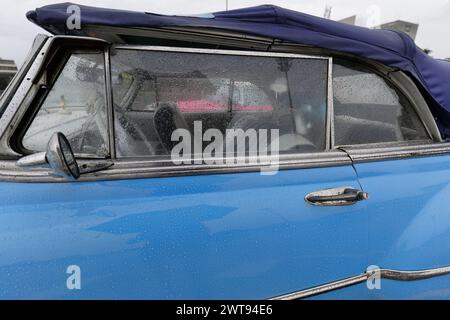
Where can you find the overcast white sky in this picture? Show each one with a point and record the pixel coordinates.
(17, 34)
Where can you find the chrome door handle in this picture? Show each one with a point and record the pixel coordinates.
(336, 197)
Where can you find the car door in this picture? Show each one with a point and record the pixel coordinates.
(388, 134)
(149, 227)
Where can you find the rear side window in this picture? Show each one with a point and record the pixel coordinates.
(368, 109)
(156, 93)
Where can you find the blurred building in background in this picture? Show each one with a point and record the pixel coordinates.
(398, 25)
(350, 20)
(404, 26)
(8, 69)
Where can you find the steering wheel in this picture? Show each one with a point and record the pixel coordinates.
(290, 142)
(127, 132)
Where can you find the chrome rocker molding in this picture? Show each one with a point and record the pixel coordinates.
(389, 274)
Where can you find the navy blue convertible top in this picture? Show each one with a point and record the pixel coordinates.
(394, 49)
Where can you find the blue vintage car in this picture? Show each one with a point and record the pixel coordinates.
(351, 202)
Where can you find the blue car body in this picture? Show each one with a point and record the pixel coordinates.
(181, 238)
(140, 231)
(198, 238)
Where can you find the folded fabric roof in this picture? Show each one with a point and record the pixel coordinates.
(392, 48)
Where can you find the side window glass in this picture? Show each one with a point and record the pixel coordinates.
(75, 106)
(367, 109)
(156, 93)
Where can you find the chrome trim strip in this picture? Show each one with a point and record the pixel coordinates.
(389, 274)
(382, 152)
(221, 52)
(332, 286)
(158, 168)
(414, 275)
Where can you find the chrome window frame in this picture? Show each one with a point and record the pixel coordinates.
(8, 120)
(103, 55)
(16, 108)
(329, 81)
(397, 150)
(149, 168)
(407, 87)
(404, 85)
(247, 53)
(9, 92)
(330, 107)
(110, 103)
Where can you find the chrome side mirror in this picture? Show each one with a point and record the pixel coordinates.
(59, 157)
